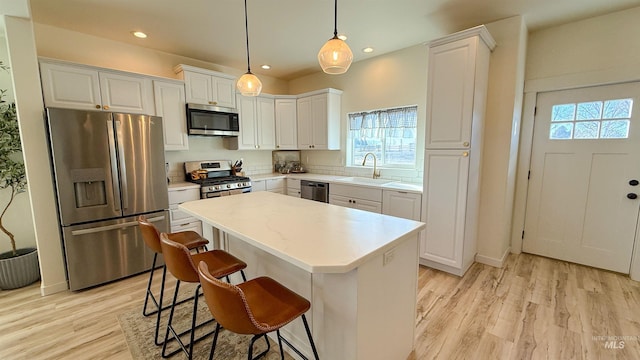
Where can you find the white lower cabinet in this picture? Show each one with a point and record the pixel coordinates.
(401, 204)
(293, 187)
(276, 185)
(356, 197)
(258, 185)
(181, 221)
(273, 185)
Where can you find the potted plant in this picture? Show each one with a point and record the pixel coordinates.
(18, 267)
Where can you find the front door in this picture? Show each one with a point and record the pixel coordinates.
(583, 198)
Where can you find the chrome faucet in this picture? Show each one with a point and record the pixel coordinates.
(376, 173)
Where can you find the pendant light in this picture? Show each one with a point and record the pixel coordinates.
(335, 56)
(248, 84)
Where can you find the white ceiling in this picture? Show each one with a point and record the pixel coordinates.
(287, 34)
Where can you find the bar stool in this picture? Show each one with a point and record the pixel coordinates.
(255, 307)
(151, 237)
(181, 264)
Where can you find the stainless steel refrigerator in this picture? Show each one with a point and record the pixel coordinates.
(108, 168)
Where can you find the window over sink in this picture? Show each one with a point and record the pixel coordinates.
(390, 134)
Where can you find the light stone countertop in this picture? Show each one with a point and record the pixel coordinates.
(317, 237)
(182, 185)
(391, 185)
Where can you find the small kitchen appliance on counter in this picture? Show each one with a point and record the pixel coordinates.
(216, 178)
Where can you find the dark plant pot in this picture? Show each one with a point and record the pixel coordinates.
(18, 271)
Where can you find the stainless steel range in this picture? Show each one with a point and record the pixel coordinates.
(216, 178)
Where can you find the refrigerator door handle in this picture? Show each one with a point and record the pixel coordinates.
(123, 168)
(114, 166)
(113, 227)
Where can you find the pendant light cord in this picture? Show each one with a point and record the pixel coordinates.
(335, 20)
(246, 31)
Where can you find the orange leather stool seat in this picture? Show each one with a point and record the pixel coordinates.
(255, 307)
(181, 264)
(151, 237)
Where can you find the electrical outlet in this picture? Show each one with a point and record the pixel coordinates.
(388, 257)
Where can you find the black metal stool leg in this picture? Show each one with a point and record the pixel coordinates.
(160, 308)
(313, 345)
(187, 349)
(253, 340)
(149, 293)
(215, 340)
(169, 327)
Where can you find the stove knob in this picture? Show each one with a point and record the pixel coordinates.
(229, 186)
(217, 187)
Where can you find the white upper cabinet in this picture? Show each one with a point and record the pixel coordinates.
(126, 93)
(319, 120)
(83, 87)
(286, 123)
(257, 124)
(456, 89)
(170, 105)
(207, 87)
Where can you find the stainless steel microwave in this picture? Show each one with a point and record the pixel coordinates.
(212, 120)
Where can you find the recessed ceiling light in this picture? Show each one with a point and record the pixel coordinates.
(367, 50)
(266, 66)
(139, 34)
(342, 37)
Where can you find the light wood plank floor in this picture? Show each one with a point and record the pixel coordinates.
(533, 308)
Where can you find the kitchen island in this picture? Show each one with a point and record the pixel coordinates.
(358, 269)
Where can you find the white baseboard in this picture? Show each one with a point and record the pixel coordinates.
(493, 261)
(55, 288)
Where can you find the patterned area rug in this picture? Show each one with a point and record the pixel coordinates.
(138, 331)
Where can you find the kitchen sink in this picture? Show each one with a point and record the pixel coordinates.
(364, 181)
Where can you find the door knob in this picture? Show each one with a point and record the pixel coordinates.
(633, 182)
(632, 196)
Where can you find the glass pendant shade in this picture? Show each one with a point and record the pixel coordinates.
(249, 85)
(335, 57)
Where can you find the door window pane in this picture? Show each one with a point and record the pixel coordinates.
(589, 111)
(563, 112)
(561, 131)
(617, 109)
(615, 129)
(586, 130)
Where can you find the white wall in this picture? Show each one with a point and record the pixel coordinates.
(501, 139)
(18, 218)
(28, 94)
(593, 45)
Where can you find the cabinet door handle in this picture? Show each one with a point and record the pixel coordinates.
(98, 107)
(465, 154)
(466, 143)
(106, 107)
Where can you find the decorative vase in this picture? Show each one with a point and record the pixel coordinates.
(18, 271)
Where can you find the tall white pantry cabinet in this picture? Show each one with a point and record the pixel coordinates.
(456, 95)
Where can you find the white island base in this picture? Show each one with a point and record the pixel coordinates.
(358, 269)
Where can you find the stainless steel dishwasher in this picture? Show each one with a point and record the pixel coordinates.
(314, 190)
